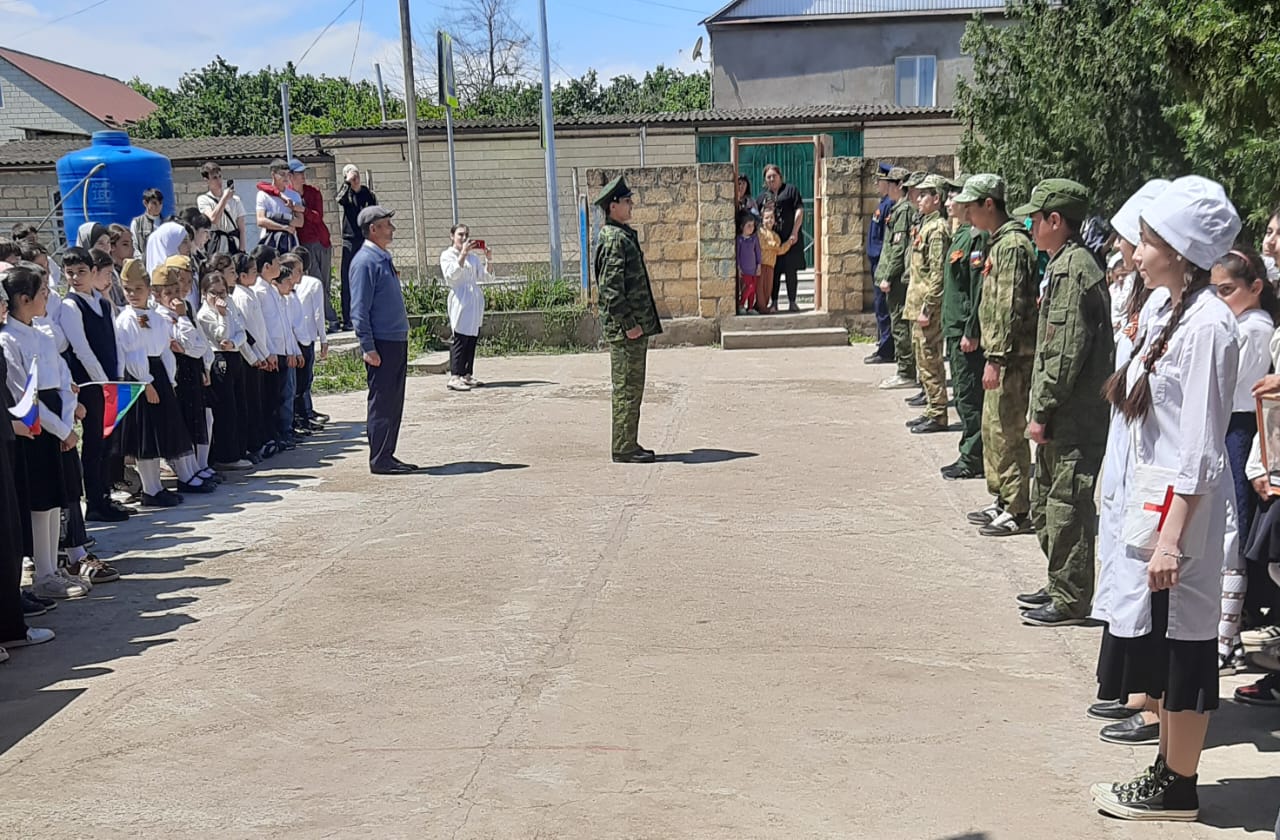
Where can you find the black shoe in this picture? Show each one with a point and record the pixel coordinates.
(125, 509)
(876, 359)
(1036, 600)
(1110, 710)
(959, 472)
(105, 514)
(31, 606)
(917, 401)
(346, 327)
(317, 417)
(165, 498)
(1132, 731)
(203, 487)
(1163, 795)
(394, 469)
(302, 431)
(1050, 616)
(400, 463)
(923, 418)
(639, 456)
(1008, 525)
(929, 427)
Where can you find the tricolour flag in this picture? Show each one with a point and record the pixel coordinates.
(117, 399)
(28, 408)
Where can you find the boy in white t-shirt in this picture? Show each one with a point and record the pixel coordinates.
(225, 211)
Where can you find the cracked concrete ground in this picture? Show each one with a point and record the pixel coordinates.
(786, 630)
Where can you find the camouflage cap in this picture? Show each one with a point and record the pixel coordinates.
(897, 174)
(915, 178)
(957, 183)
(1061, 195)
(981, 187)
(933, 183)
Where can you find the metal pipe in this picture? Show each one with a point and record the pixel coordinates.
(288, 133)
(549, 129)
(382, 93)
(411, 129)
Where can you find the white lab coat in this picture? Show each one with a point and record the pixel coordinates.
(1192, 387)
(1255, 328)
(466, 299)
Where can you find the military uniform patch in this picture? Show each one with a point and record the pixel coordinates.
(986, 269)
(975, 259)
(956, 255)
(897, 237)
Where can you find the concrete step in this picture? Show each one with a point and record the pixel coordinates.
(762, 339)
(782, 321)
(430, 363)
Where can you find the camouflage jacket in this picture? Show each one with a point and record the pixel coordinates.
(897, 239)
(928, 261)
(962, 283)
(626, 299)
(1075, 350)
(1007, 309)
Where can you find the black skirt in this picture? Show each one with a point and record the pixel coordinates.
(191, 398)
(156, 431)
(40, 463)
(1182, 675)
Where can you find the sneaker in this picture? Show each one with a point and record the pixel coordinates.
(876, 359)
(1231, 663)
(987, 515)
(742, 310)
(1008, 525)
(959, 472)
(1261, 637)
(94, 570)
(1134, 731)
(476, 383)
(35, 636)
(897, 383)
(1104, 788)
(56, 586)
(1164, 795)
(456, 383)
(319, 418)
(240, 464)
(1267, 659)
(30, 606)
(1265, 692)
(48, 603)
(1036, 600)
(75, 579)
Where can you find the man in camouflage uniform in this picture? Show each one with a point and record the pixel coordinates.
(1007, 324)
(962, 290)
(628, 315)
(1075, 353)
(924, 304)
(891, 276)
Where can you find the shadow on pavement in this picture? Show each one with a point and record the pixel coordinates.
(471, 468)
(516, 383)
(703, 456)
(1248, 804)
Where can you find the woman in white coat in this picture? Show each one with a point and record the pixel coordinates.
(463, 270)
(1163, 602)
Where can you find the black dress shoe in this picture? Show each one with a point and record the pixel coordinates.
(394, 469)
(400, 463)
(1050, 616)
(923, 418)
(1035, 600)
(639, 456)
(917, 401)
(1112, 711)
(1132, 731)
(105, 514)
(929, 427)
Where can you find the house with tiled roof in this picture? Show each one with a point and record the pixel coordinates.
(891, 53)
(44, 98)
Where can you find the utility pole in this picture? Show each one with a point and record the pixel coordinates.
(288, 132)
(549, 133)
(382, 94)
(411, 129)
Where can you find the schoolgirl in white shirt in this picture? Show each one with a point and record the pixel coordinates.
(191, 354)
(281, 344)
(259, 378)
(223, 326)
(306, 312)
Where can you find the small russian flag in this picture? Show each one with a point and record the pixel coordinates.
(117, 399)
(28, 408)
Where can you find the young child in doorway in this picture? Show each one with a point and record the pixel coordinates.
(749, 260)
(771, 247)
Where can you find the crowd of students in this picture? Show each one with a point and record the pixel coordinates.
(221, 346)
(1150, 377)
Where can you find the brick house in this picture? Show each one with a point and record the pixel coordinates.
(43, 98)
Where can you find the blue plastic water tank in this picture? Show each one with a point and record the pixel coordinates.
(114, 192)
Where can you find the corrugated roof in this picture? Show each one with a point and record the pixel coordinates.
(754, 9)
(106, 99)
(752, 116)
(197, 149)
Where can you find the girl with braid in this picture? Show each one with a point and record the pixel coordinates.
(1163, 604)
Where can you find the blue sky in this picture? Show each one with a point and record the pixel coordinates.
(158, 41)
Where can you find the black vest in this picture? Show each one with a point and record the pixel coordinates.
(100, 330)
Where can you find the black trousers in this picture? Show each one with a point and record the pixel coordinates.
(271, 384)
(462, 354)
(230, 409)
(93, 452)
(386, 401)
(12, 515)
(302, 384)
(791, 276)
(254, 436)
(344, 280)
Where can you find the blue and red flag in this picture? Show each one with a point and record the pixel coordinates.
(28, 408)
(117, 399)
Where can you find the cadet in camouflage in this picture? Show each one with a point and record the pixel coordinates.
(628, 315)
(924, 304)
(891, 275)
(1075, 353)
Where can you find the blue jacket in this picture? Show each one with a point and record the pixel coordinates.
(377, 302)
(875, 230)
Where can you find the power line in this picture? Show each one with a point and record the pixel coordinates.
(356, 48)
(593, 11)
(669, 6)
(60, 19)
(322, 31)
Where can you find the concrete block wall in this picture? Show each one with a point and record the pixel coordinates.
(28, 104)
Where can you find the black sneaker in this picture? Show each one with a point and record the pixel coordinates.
(1164, 795)
(876, 359)
(929, 427)
(1050, 616)
(1036, 600)
(917, 401)
(1132, 732)
(1104, 788)
(1110, 710)
(1265, 692)
(959, 472)
(31, 607)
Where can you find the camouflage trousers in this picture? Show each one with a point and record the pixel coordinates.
(931, 368)
(900, 329)
(627, 363)
(1006, 452)
(1066, 521)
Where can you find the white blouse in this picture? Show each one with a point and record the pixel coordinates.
(1255, 328)
(138, 343)
(73, 329)
(247, 302)
(22, 344)
(280, 340)
(230, 327)
(193, 341)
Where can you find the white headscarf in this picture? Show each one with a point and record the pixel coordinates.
(163, 243)
(88, 234)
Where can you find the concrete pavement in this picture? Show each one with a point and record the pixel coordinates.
(786, 630)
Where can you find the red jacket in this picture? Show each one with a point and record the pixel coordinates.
(313, 227)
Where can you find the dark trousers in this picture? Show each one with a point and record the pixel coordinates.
(254, 436)
(966, 384)
(230, 410)
(344, 279)
(270, 402)
(791, 277)
(302, 385)
(386, 401)
(320, 264)
(288, 382)
(93, 452)
(12, 624)
(73, 532)
(884, 324)
(462, 354)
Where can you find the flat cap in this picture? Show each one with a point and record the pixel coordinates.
(373, 213)
(615, 190)
(1061, 195)
(980, 187)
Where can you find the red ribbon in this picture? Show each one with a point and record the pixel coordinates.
(1163, 510)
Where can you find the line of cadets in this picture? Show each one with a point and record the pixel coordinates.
(1167, 375)
(225, 347)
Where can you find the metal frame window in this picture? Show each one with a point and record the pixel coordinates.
(916, 80)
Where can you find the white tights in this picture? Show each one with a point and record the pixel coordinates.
(45, 525)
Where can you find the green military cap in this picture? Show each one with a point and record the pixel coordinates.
(956, 183)
(981, 187)
(1062, 195)
(897, 173)
(916, 178)
(936, 183)
(615, 190)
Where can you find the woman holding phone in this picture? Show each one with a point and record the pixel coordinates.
(463, 268)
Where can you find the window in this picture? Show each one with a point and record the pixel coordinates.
(916, 80)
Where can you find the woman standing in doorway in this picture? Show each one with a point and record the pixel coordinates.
(789, 211)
